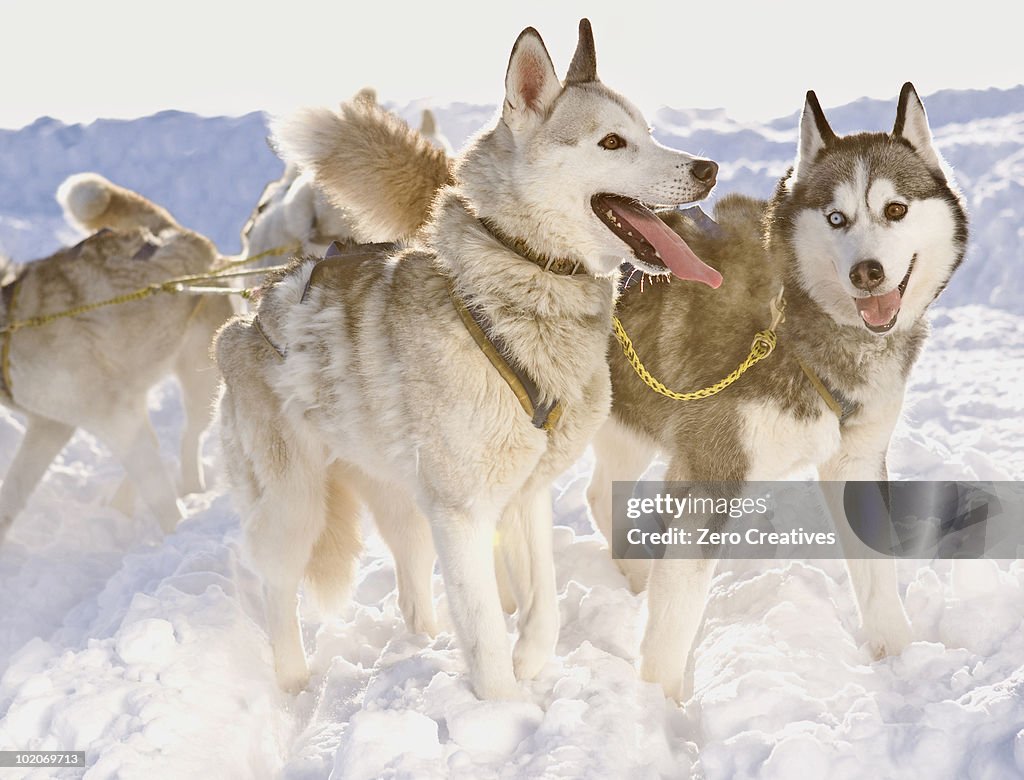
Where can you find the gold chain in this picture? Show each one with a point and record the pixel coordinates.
(762, 346)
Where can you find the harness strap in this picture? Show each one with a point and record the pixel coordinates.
(340, 255)
(841, 406)
(259, 329)
(563, 266)
(543, 415)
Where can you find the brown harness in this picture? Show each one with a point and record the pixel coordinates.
(543, 414)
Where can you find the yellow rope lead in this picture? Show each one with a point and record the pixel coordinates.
(762, 346)
(290, 249)
(178, 285)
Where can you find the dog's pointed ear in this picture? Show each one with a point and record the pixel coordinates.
(531, 85)
(583, 68)
(815, 133)
(912, 126)
(428, 125)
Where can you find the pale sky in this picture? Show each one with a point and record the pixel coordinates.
(81, 60)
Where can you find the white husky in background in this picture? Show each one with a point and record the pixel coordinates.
(293, 212)
(93, 371)
(379, 375)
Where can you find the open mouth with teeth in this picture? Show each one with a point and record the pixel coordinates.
(879, 312)
(657, 250)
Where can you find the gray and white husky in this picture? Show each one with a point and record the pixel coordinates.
(359, 378)
(93, 371)
(864, 232)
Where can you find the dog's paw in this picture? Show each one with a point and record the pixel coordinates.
(292, 674)
(668, 675)
(889, 639)
(293, 682)
(423, 624)
(529, 657)
(498, 688)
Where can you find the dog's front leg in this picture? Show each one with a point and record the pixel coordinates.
(883, 620)
(465, 549)
(43, 441)
(525, 534)
(676, 593)
(620, 454)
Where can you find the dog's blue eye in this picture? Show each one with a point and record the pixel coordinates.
(836, 219)
(612, 141)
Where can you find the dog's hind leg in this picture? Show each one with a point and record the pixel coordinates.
(131, 438)
(407, 534)
(525, 532)
(199, 379)
(619, 455)
(465, 549)
(279, 478)
(43, 441)
(505, 591)
(123, 499)
(285, 523)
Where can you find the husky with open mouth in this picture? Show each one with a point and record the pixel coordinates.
(452, 380)
(864, 233)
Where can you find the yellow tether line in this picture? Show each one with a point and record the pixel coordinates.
(762, 346)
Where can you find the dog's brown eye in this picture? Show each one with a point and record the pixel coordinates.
(895, 211)
(612, 141)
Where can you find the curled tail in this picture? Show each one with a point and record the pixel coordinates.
(93, 202)
(430, 130)
(332, 564)
(7, 269)
(369, 162)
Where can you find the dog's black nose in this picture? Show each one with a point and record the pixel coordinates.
(867, 274)
(704, 170)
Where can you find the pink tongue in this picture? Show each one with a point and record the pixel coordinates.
(878, 310)
(674, 252)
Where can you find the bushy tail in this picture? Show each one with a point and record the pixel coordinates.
(93, 202)
(369, 162)
(331, 567)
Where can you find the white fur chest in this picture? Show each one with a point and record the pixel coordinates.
(779, 444)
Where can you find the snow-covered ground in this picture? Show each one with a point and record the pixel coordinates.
(150, 653)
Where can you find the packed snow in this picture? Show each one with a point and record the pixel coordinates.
(150, 653)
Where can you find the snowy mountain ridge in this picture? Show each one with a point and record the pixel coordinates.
(209, 171)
